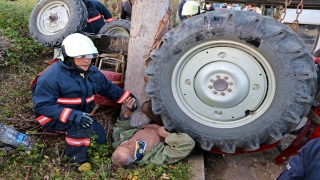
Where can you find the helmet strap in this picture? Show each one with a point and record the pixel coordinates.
(63, 51)
(80, 69)
(69, 61)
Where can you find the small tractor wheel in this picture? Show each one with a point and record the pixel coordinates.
(117, 27)
(53, 20)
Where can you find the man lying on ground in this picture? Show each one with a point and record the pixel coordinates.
(149, 143)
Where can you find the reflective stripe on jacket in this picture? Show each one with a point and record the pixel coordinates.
(98, 14)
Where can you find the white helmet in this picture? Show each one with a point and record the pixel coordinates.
(78, 44)
(191, 8)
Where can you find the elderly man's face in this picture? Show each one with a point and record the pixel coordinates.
(124, 154)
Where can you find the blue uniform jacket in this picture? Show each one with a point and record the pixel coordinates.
(98, 14)
(311, 159)
(126, 10)
(60, 93)
(180, 10)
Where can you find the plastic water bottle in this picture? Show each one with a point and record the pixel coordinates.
(10, 135)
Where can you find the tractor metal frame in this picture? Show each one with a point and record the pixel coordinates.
(307, 4)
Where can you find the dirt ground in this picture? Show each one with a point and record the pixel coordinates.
(256, 166)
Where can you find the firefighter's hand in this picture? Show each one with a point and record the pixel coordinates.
(135, 106)
(86, 121)
(130, 103)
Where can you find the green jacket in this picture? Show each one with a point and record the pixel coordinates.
(176, 146)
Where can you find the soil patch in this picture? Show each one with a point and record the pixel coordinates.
(256, 166)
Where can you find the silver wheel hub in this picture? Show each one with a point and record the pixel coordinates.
(223, 84)
(53, 18)
(212, 84)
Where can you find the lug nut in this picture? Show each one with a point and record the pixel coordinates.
(230, 83)
(210, 87)
(214, 92)
(217, 76)
(229, 90)
(226, 77)
(211, 80)
(222, 94)
(222, 55)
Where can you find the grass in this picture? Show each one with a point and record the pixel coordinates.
(46, 160)
(20, 48)
(24, 59)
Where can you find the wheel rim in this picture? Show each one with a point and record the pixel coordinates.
(118, 31)
(53, 18)
(223, 84)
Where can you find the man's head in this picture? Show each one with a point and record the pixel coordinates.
(78, 50)
(229, 6)
(208, 5)
(124, 154)
(191, 8)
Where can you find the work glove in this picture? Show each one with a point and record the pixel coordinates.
(134, 107)
(86, 121)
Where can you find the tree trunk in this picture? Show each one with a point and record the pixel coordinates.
(150, 20)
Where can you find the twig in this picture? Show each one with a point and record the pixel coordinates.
(2, 104)
(41, 151)
(62, 153)
(14, 119)
(28, 172)
(44, 133)
(99, 171)
(36, 128)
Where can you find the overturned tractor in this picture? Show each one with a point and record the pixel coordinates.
(235, 81)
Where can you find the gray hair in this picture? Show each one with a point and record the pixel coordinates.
(119, 160)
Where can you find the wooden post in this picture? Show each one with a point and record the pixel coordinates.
(150, 20)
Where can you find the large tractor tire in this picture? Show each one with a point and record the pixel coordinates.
(231, 80)
(53, 20)
(118, 27)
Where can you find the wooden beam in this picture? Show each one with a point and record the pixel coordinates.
(146, 22)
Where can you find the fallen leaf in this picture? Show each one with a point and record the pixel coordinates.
(129, 177)
(172, 167)
(164, 176)
(46, 177)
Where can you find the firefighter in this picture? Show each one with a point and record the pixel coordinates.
(316, 56)
(149, 143)
(191, 8)
(182, 2)
(63, 97)
(208, 6)
(98, 15)
(126, 10)
(305, 165)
